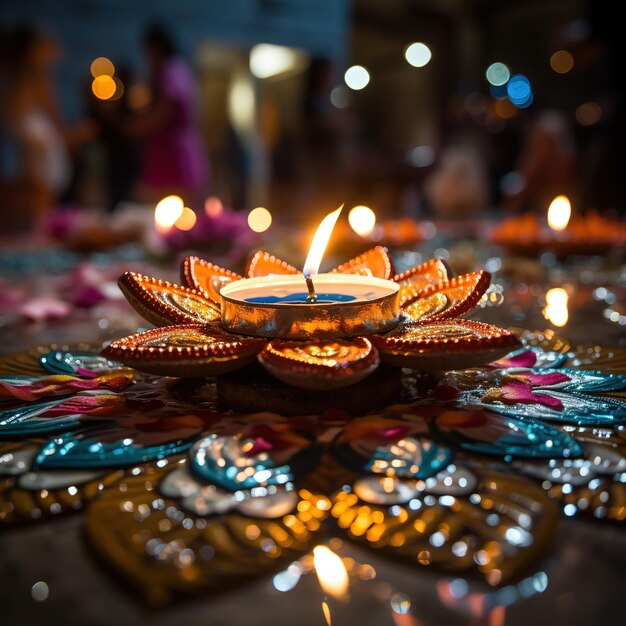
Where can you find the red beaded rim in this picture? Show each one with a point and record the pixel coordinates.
(188, 274)
(398, 342)
(131, 348)
(274, 354)
(369, 259)
(478, 282)
(136, 288)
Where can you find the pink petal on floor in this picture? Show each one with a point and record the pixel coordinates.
(515, 393)
(43, 308)
(523, 359)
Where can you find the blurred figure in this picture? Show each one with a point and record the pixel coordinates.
(34, 158)
(546, 165)
(459, 187)
(173, 159)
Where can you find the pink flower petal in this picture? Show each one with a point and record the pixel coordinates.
(515, 393)
(43, 308)
(537, 380)
(524, 359)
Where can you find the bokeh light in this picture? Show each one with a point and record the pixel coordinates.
(187, 219)
(102, 67)
(357, 77)
(562, 62)
(499, 93)
(556, 310)
(588, 114)
(103, 87)
(498, 74)
(362, 220)
(421, 156)
(267, 60)
(519, 91)
(505, 109)
(119, 89)
(167, 212)
(213, 207)
(259, 219)
(559, 213)
(138, 96)
(418, 54)
(340, 97)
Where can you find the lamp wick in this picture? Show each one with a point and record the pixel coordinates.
(312, 297)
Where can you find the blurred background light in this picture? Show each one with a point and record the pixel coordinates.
(187, 219)
(362, 220)
(340, 97)
(213, 207)
(418, 54)
(119, 89)
(498, 74)
(499, 93)
(259, 219)
(103, 87)
(268, 60)
(167, 212)
(421, 156)
(588, 114)
(556, 310)
(102, 67)
(242, 104)
(138, 96)
(504, 109)
(562, 62)
(357, 77)
(519, 91)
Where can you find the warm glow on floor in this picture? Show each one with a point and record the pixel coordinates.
(556, 311)
(331, 572)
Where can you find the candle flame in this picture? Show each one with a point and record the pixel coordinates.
(559, 212)
(331, 572)
(556, 310)
(319, 243)
(167, 212)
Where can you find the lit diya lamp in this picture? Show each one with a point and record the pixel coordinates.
(562, 233)
(301, 306)
(311, 330)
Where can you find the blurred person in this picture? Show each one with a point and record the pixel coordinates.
(458, 188)
(173, 158)
(546, 165)
(35, 165)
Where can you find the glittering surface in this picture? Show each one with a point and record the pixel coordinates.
(182, 496)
